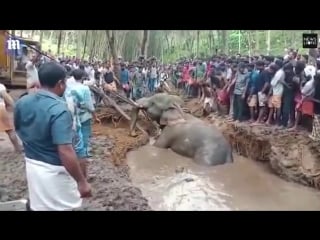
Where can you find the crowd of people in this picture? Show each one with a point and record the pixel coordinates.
(136, 79)
(260, 90)
(54, 118)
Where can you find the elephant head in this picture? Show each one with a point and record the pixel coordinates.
(171, 117)
(160, 107)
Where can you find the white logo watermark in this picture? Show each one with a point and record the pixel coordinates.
(13, 44)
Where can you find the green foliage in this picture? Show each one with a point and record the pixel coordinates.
(170, 45)
(69, 50)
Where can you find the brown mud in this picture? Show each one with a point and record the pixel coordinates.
(291, 155)
(172, 182)
(112, 187)
(116, 128)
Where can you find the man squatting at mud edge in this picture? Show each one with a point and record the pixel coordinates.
(55, 180)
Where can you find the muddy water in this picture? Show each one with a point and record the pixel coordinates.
(172, 182)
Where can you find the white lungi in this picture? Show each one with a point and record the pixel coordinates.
(51, 188)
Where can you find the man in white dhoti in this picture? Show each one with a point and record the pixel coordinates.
(44, 124)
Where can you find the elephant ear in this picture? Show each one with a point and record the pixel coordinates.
(145, 102)
(164, 120)
(169, 116)
(177, 100)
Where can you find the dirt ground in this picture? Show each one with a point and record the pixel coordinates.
(291, 155)
(112, 189)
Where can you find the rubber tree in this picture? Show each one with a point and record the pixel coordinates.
(85, 44)
(268, 41)
(144, 43)
(313, 52)
(116, 64)
(59, 41)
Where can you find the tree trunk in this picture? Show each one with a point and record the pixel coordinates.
(92, 45)
(198, 39)
(78, 40)
(249, 38)
(285, 42)
(268, 40)
(111, 41)
(59, 41)
(32, 34)
(41, 37)
(227, 42)
(313, 53)
(66, 40)
(219, 40)
(213, 41)
(293, 39)
(51, 35)
(224, 41)
(257, 46)
(210, 40)
(85, 44)
(144, 44)
(239, 42)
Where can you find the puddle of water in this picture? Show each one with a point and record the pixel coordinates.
(18, 205)
(172, 182)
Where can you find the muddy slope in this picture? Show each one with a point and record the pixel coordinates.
(116, 128)
(112, 189)
(292, 156)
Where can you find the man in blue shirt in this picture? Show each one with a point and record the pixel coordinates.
(74, 98)
(44, 124)
(262, 87)
(252, 98)
(124, 79)
(84, 113)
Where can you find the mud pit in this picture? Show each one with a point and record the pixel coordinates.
(291, 155)
(172, 182)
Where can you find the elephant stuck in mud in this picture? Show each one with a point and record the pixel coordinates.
(193, 138)
(155, 107)
(183, 133)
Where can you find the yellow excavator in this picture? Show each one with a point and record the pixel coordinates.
(12, 66)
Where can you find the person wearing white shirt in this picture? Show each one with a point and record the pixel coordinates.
(32, 75)
(75, 66)
(153, 78)
(70, 81)
(277, 87)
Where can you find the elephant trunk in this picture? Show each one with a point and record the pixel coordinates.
(230, 157)
(176, 106)
(134, 118)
